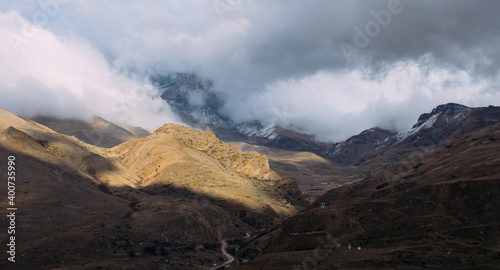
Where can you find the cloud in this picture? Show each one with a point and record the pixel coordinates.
(334, 106)
(46, 74)
(285, 61)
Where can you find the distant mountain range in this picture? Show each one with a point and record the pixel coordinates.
(425, 198)
(316, 166)
(196, 102)
(430, 201)
(448, 121)
(198, 105)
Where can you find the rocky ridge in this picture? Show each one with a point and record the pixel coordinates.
(438, 209)
(447, 121)
(165, 200)
(198, 104)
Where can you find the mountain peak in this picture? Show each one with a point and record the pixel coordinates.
(450, 105)
(445, 121)
(171, 128)
(449, 109)
(249, 164)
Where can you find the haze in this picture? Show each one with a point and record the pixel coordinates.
(326, 68)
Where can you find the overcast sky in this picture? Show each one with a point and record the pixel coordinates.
(327, 68)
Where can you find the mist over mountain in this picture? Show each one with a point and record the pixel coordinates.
(437, 207)
(194, 134)
(283, 65)
(179, 198)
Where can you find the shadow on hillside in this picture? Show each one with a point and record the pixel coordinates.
(439, 210)
(65, 219)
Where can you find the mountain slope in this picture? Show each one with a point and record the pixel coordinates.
(84, 206)
(359, 148)
(198, 104)
(96, 131)
(198, 160)
(440, 212)
(448, 121)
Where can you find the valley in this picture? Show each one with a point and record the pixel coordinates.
(180, 198)
(429, 206)
(178, 194)
(314, 174)
(249, 135)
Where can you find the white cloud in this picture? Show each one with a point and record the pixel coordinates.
(272, 60)
(66, 76)
(334, 106)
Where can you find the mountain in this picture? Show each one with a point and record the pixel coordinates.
(180, 198)
(96, 131)
(166, 201)
(328, 165)
(194, 100)
(198, 104)
(448, 121)
(439, 209)
(359, 148)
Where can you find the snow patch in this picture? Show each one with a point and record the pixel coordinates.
(265, 130)
(425, 125)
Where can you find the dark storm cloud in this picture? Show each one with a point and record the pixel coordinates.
(462, 34)
(286, 61)
(306, 39)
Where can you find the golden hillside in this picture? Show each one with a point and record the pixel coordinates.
(197, 160)
(178, 192)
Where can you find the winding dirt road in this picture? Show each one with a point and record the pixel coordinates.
(229, 257)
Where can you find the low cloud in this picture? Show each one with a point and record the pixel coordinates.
(68, 77)
(277, 62)
(334, 106)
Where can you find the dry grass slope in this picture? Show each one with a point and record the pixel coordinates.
(165, 200)
(440, 209)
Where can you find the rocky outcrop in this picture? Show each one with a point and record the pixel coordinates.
(250, 164)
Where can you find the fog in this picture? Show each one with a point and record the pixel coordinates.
(326, 68)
